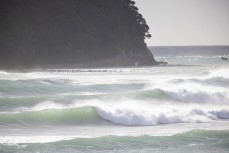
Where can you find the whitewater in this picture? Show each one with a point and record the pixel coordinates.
(182, 107)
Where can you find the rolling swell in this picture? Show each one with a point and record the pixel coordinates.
(81, 115)
(210, 89)
(44, 87)
(9, 104)
(186, 92)
(203, 141)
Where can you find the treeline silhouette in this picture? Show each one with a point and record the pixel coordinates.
(72, 33)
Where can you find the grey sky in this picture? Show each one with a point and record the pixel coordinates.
(186, 22)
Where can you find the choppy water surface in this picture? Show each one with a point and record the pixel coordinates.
(183, 107)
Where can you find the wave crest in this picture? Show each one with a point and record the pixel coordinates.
(164, 115)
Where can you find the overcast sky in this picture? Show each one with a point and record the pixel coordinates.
(186, 22)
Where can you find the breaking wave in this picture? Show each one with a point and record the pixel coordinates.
(123, 114)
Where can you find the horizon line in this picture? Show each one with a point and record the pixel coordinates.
(188, 46)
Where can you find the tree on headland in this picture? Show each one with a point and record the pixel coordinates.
(82, 33)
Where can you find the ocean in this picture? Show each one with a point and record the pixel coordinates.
(181, 107)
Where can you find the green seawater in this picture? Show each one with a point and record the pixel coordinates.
(182, 107)
(197, 141)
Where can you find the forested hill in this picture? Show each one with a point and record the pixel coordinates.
(72, 33)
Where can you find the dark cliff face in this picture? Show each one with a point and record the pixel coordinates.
(72, 33)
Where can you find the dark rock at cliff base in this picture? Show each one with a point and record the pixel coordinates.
(72, 33)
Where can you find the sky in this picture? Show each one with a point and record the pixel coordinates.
(186, 22)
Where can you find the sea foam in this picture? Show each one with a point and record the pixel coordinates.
(162, 114)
